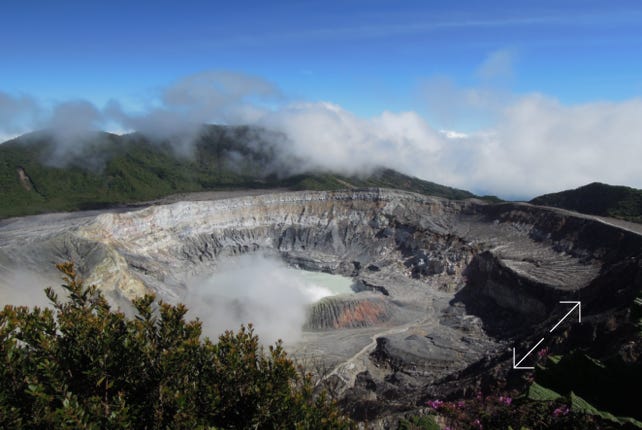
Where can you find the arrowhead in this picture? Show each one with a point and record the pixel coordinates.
(517, 365)
(576, 304)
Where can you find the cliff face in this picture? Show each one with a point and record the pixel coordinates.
(443, 284)
(339, 232)
(518, 257)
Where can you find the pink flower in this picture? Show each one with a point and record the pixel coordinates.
(542, 353)
(435, 404)
(461, 404)
(505, 400)
(561, 411)
(478, 424)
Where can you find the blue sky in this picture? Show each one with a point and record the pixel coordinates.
(366, 56)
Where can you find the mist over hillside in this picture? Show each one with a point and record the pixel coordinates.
(517, 145)
(105, 170)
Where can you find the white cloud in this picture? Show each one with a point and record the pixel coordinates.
(326, 136)
(74, 117)
(536, 145)
(451, 134)
(526, 145)
(540, 145)
(206, 97)
(498, 66)
(18, 113)
(4, 136)
(470, 108)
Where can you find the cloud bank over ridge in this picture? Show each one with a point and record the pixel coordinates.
(527, 144)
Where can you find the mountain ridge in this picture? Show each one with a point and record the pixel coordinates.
(40, 175)
(616, 201)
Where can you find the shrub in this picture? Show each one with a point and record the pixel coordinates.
(80, 364)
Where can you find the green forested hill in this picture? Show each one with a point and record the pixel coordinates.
(109, 170)
(598, 199)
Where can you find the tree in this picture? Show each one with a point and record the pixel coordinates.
(80, 364)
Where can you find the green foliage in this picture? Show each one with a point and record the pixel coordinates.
(537, 392)
(108, 170)
(610, 385)
(80, 365)
(387, 178)
(598, 199)
(426, 422)
(580, 405)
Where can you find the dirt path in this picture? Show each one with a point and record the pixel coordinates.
(349, 369)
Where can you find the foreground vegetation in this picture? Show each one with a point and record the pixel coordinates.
(106, 170)
(81, 365)
(536, 408)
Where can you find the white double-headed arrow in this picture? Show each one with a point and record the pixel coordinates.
(578, 305)
(516, 365)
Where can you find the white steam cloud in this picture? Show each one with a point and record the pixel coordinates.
(26, 288)
(524, 145)
(256, 289)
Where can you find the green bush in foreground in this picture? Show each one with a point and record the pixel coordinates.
(82, 365)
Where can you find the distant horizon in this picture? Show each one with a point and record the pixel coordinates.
(477, 193)
(494, 97)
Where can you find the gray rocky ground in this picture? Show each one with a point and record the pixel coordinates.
(446, 288)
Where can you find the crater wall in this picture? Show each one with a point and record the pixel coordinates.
(445, 285)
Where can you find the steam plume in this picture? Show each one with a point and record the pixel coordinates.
(256, 289)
